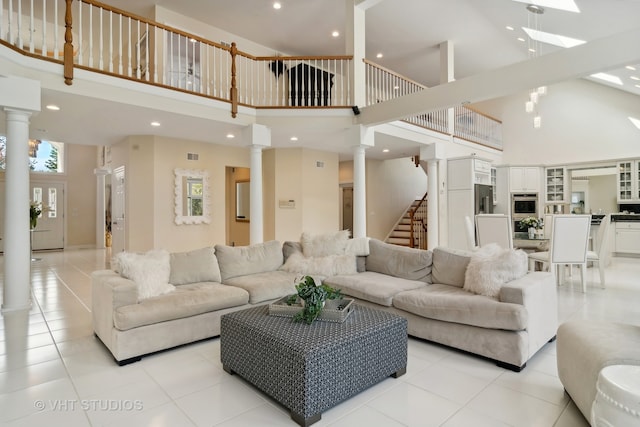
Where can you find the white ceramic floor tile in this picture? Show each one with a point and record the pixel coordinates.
(467, 417)
(57, 395)
(109, 379)
(515, 408)
(167, 415)
(449, 383)
(536, 384)
(56, 418)
(32, 356)
(366, 416)
(31, 375)
(571, 417)
(413, 406)
(219, 403)
(265, 415)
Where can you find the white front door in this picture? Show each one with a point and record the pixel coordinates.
(117, 211)
(49, 232)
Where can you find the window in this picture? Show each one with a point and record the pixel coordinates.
(194, 197)
(44, 156)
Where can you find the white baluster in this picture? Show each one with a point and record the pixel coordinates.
(19, 39)
(146, 52)
(80, 35)
(129, 58)
(164, 56)
(120, 36)
(31, 28)
(101, 44)
(138, 49)
(110, 53)
(44, 28)
(90, 35)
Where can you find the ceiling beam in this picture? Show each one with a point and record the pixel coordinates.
(598, 55)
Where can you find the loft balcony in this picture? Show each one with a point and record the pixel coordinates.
(87, 35)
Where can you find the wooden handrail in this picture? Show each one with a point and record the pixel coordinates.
(480, 113)
(412, 213)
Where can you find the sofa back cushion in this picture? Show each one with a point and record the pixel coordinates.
(237, 261)
(450, 266)
(399, 261)
(200, 265)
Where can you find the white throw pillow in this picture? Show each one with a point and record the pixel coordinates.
(491, 267)
(324, 244)
(150, 272)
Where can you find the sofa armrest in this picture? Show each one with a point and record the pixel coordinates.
(109, 291)
(537, 292)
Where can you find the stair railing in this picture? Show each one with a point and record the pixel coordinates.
(418, 224)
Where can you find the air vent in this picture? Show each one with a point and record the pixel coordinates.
(319, 164)
(192, 156)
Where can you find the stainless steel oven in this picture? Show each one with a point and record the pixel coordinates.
(524, 205)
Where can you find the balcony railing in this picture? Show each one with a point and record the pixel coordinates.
(89, 35)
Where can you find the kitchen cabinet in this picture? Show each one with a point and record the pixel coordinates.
(555, 185)
(525, 179)
(627, 237)
(628, 180)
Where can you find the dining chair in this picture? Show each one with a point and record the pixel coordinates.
(548, 225)
(569, 245)
(471, 233)
(600, 253)
(494, 228)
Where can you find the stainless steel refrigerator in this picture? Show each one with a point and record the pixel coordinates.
(483, 199)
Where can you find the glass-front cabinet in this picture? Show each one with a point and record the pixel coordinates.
(628, 179)
(555, 184)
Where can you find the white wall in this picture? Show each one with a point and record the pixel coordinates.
(582, 121)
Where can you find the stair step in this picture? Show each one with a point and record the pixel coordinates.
(403, 227)
(400, 234)
(398, 241)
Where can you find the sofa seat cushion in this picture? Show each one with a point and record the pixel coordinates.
(184, 301)
(265, 286)
(453, 304)
(371, 286)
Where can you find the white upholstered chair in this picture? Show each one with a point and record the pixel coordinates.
(494, 228)
(600, 254)
(569, 244)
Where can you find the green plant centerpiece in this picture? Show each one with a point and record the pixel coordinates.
(313, 297)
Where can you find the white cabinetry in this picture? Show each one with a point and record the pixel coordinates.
(628, 237)
(462, 175)
(524, 179)
(555, 185)
(628, 179)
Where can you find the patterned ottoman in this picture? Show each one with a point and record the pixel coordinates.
(311, 368)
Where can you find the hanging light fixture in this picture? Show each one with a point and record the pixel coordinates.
(531, 106)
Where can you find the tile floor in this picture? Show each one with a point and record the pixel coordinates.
(54, 372)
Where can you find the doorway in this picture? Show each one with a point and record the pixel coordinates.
(347, 208)
(117, 210)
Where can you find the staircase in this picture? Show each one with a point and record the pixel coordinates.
(411, 228)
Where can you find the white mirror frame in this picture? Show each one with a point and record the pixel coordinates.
(205, 218)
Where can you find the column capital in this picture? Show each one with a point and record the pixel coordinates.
(102, 171)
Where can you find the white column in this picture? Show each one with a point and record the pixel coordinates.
(355, 44)
(359, 192)
(256, 224)
(432, 154)
(433, 236)
(447, 75)
(17, 249)
(101, 204)
(259, 138)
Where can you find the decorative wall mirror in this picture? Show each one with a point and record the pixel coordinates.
(192, 196)
(243, 192)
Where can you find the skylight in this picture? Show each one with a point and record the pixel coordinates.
(608, 78)
(568, 5)
(554, 39)
(635, 121)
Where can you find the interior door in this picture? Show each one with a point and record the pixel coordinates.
(117, 210)
(49, 231)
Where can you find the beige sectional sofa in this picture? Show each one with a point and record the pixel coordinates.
(426, 287)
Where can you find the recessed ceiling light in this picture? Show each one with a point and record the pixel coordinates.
(509, 27)
(335, 34)
(636, 122)
(638, 86)
(554, 39)
(608, 78)
(568, 5)
(635, 78)
(386, 150)
(520, 39)
(532, 50)
(630, 67)
(155, 124)
(53, 107)
(379, 55)
(294, 138)
(277, 5)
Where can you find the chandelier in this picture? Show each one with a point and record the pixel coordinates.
(534, 45)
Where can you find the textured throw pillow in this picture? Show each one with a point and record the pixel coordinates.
(491, 267)
(195, 266)
(326, 266)
(150, 272)
(324, 244)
